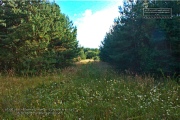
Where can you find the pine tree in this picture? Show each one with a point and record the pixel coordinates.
(144, 45)
(35, 36)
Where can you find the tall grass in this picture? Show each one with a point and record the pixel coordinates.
(88, 91)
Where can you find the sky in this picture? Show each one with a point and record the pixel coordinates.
(93, 18)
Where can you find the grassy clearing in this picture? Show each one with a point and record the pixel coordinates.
(86, 61)
(88, 91)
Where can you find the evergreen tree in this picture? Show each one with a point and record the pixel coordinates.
(34, 36)
(144, 45)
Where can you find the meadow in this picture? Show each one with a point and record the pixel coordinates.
(88, 91)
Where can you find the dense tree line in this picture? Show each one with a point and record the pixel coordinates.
(144, 45)
(35, 36)
(89, 53)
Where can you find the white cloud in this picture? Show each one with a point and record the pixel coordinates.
(92, 27)
(87, 13)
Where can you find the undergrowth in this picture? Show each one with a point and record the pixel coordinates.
(89, 91)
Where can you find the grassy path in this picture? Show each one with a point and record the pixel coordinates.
(88, 91)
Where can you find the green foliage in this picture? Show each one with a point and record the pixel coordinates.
(89, 53)
(82, 54)
(96, 58)
(91, 91)
(144, 45)
(34, 36)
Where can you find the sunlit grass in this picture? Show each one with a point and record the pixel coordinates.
(88, 91)
(86, 61)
